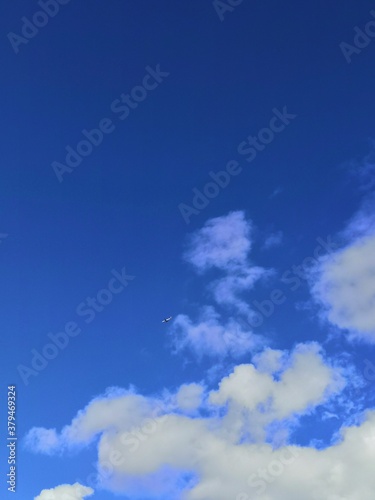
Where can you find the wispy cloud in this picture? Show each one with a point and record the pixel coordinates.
(228, 289)
(224, 243)
(273, 240)
(276, 192)
(45, 441)
(363, 169)
(211, 337)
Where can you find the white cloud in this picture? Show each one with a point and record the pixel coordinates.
(344, 284)
(189, 397)
(219, 452)
(66, 492)
(209, 337)
(226, 290)
(306, 383)
(243, 471)
(45, 441)
(118, 407)
(125, 409)
(269, 360)
(223, 242)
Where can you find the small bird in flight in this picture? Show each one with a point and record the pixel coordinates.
(165, 320)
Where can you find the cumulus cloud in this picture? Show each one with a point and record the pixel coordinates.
(189, 397)
(210, 337)
(66, 492)
(302, 386)
(241, 471)
(220, 451)
(269, 360)
(344, 284)
(119, 407)
(342, 471)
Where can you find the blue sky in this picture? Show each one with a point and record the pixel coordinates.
(187, 158)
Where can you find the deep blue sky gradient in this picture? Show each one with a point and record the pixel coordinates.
(120, 206)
